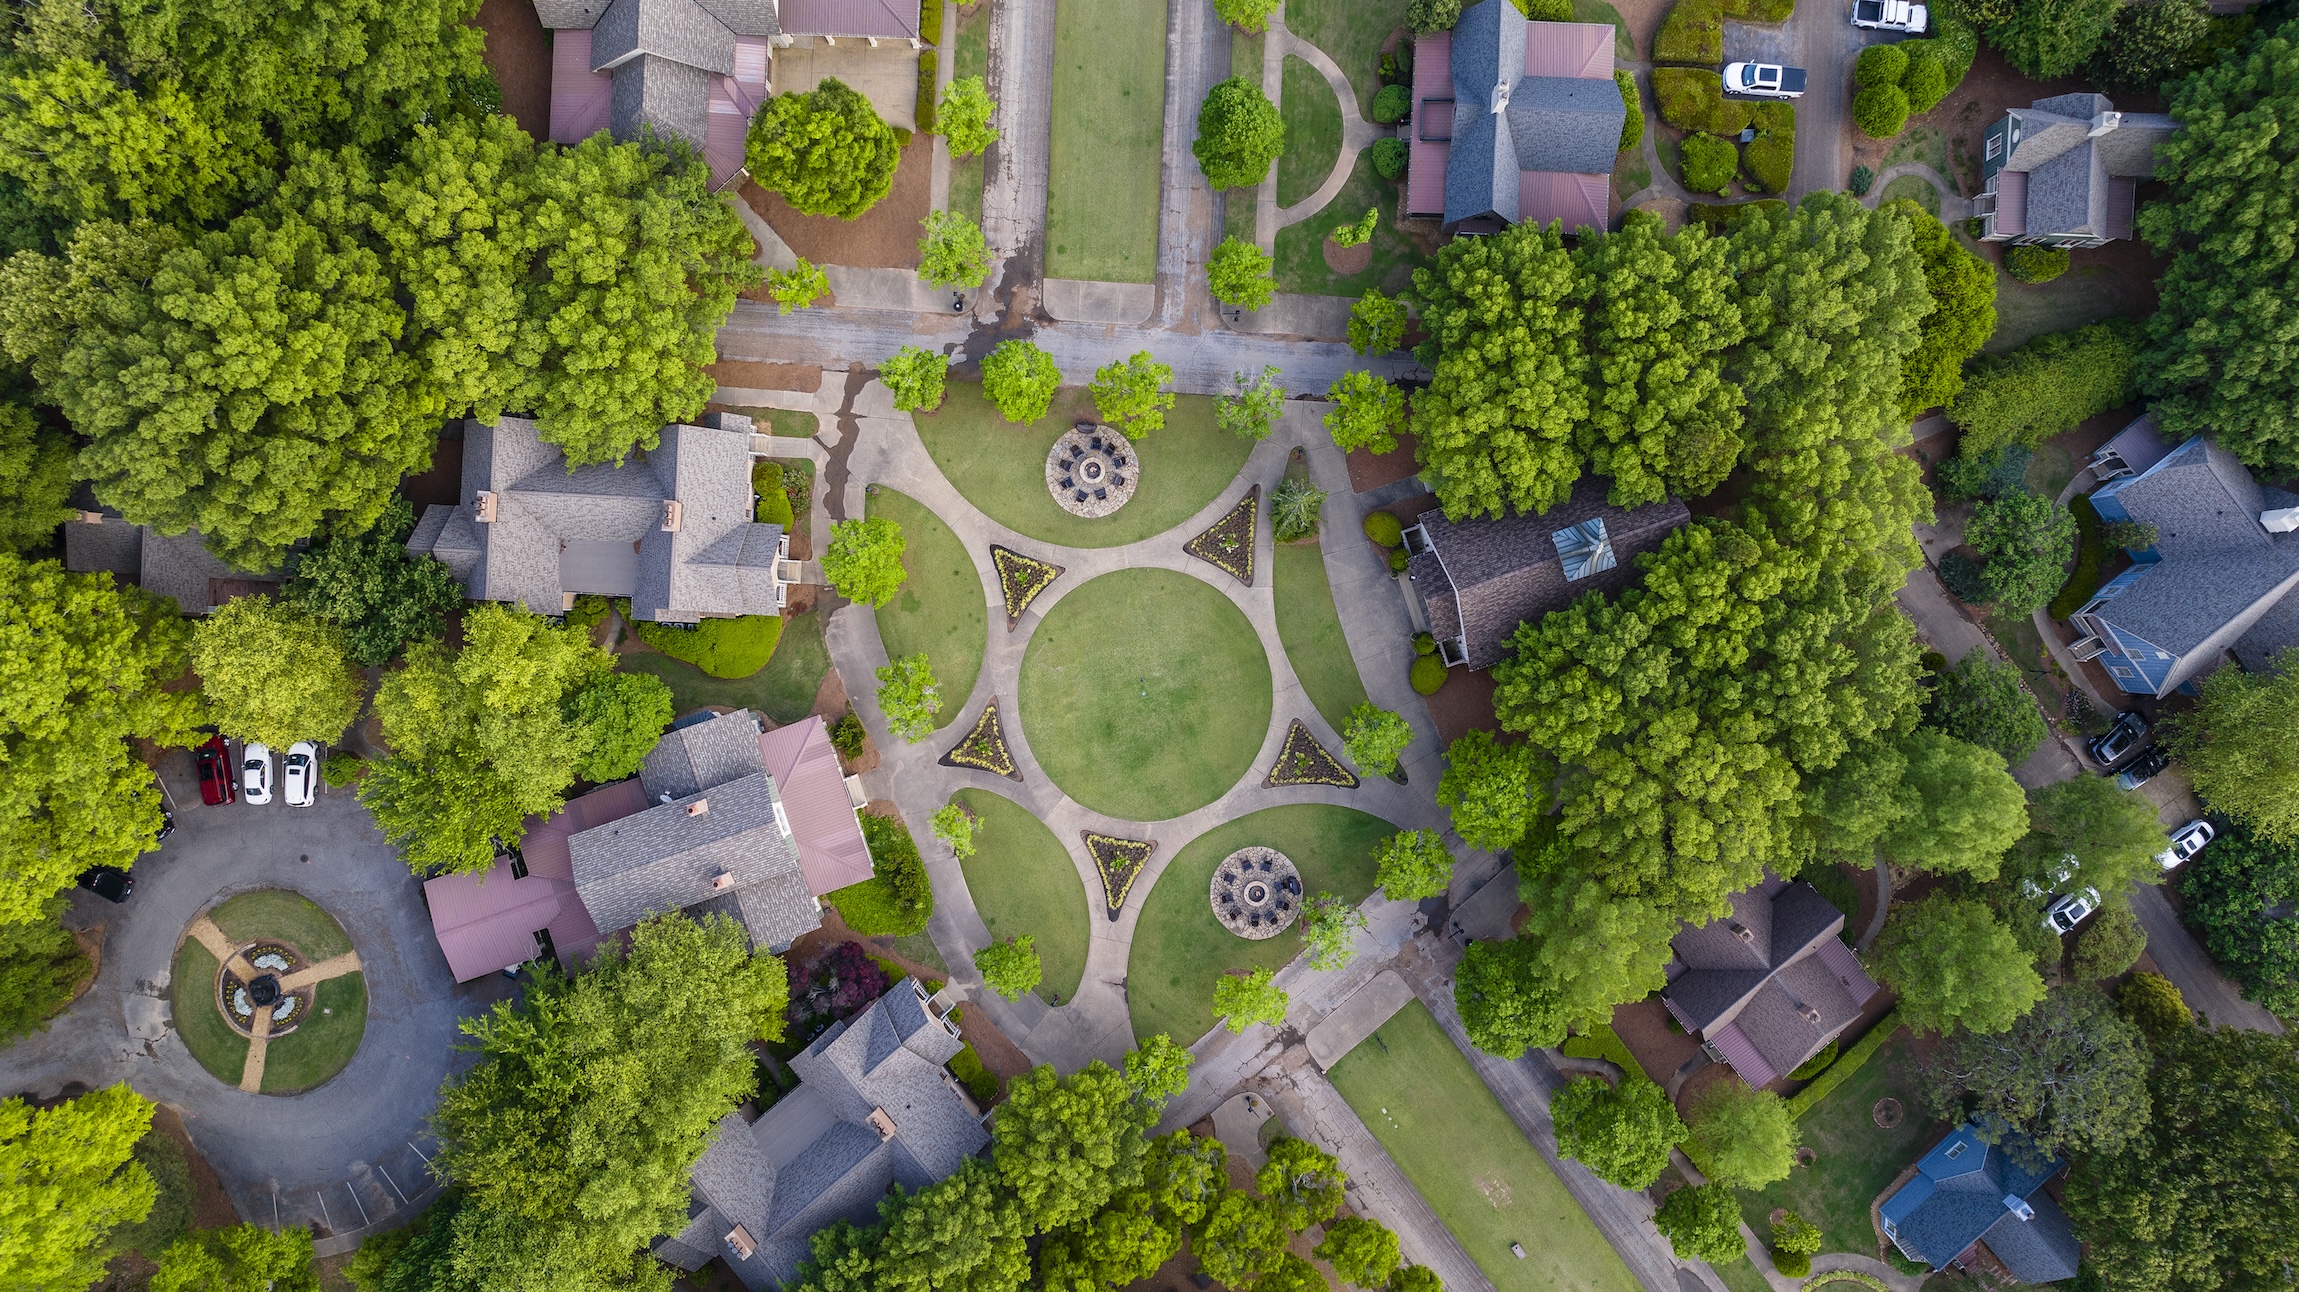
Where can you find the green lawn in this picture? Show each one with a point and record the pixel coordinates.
(191, 998)
(1312, 131)
(941, 608)
(1856, 1160)
(1351, 31)
(2084, 294)
(1923, 144)
(1109, 125)
(1624, 46)
(783, 421)
(1479, 1173)
(1145, 694)
(1001, 468)
(1180, 950)
(1913, 186)
(290, 917)
(325, 1042)
(1300, 247)
(1311, 630)
(1024, 884)
(784, 690)
(972, 52)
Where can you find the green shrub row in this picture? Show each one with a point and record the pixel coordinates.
(930, 32)
(1602, 1042)
(1694, 29)
(2090, 555)
(728, 648)
(1692, 98)
(1631, 126)
(979, 1081)
(773, 503)
(2047, 386)
(1841, 1071)
(2036, 264)
(1723, 215)
(1771, 157)
(1822, 1280)
(1815, 1065)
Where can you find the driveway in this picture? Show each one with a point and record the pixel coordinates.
(343, 1158)
(1825, 45)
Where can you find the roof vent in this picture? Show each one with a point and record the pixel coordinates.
(671, 515)
(483, 507)
(1585, 549)
(1811, 1014)
(2018, 1206)
(883, 1123)
(739, 1240)
(700, 807)
(2282, 520)
(2105, 122)
(1743, 932)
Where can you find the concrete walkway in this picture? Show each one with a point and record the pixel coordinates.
(1357, 134)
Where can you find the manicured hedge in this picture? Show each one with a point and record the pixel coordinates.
(720, 647)
(1428, 675)
(2047, 386)
(1390, 156)
(2036, 264)
(773, 503)
(897, 899)
(929, 32)
(1771, 156)
(1881, 111)
(1804, 1100)
(1631, 127)
(1692, 98)
(1709, 163)
(2090, 555)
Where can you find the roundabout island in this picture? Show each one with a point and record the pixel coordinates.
(268, 993)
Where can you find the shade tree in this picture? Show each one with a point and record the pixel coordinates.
(2108, 837)
(1239, 134)
(239, 1258)
(1020, 379)
(1131, 393)
(1963, 313)
(2027, 540)
(1623, 1132)
(71, 1182)
(864, 560)
(1010, 968)
(802, 285)
(1980, 699)
(913, 375)
(1376, 322)
(825, 151)
(273, 673)
(2071, 1075)
(953, 253)
(617, 718)
(1702, 1223)
(1374, 738)
(382, 596)
(35, 479)
(962, 116)
(2234, 746)
(1245, 999)
(2231, 893)
(2051, 38)
(1493, 791)
(1413, 864)
(1363, 1252)
(1302, 1181)
(1367, 413)
(909, 696)
(1954, 966)
(1237, 273)
(40, 965)
(1249, 410)
(1744, 1137)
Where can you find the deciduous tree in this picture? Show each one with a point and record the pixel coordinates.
(1507, 1004)
(2231, 892)
(1623, 1133)
(1010, 968)
(1367, 413)
(1490, 790)
(276, 674)
(805, 283)
(40, 964)
(1241, 1239)
(2070, 1075)
(1243, 1000)
(1250, 410)
(1239, 134)
(913, 375)
(1960, 809)
(909, 697)
(380, 594)
(962, 116)
(953, 253)
(1066, 1145)
(1980, 700)
(2050, 38)
(864, 562)
(1413, 864)
(2234, 745)
(1238, 274)
(1955, 966)
(1246, 15)
(826, 150)
(2111, 942)
(1963, 313)
(1702, 1224)
(1303, 1181)
(2049, 385)
(1131, 393)
(955, 826)
(1376, 322)
(67, 1180)
(35, 480)
(619, 717)
(1019, 379)
(1375, 738)
(2111, 836)
(239, 1258)
(2028, 540)
(1329, 928)
(1745, 1137)
(1363, 1252)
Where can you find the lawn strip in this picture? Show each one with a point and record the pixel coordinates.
(1024, 884)
(1856, 1159)
(940, 609)
(1351, 32)
(1301, 263)
(1107, 142)
(1310, 627)
(784, 690)
(290, 917)
(323, 1043)
(1312, 131)
(191, 999)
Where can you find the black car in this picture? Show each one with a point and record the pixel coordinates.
(2110, 747)
(108, 882)
(2144, 768)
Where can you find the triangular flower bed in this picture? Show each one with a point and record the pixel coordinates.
(1021, 578)
(1228, 546)
(984, 748)
(1120, 861)
(1303, 761)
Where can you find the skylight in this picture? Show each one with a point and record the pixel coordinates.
(1584, 549)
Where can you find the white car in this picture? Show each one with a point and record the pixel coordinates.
(1891, 15)
(1764, 80)
(302, 773)
(2186, 841)
(2065, 913)
(255, 772)
(2062, 874)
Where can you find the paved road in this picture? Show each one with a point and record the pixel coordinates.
(2189, 966)
(1015, 169)
(339, 1157)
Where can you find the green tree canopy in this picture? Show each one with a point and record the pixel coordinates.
(864, 563)
(1010, 968)
(909, 697)
(1329, 928)
(239, 1258)
(480, 738)
(1241, 1240)
(1363, 1252)
(1746, 1138)
(1367, 413)
(1250, 411)
(618, 718)
(1702, 1224)
(81, 667)
(962, 116)
(2048, 385)
(826, 150)
(40, 964)
(67, 1181)
(35, 479)
(1955, 966)
(1020, 379)
(592, 1097)
(1131, 393)
(954, 825)
(383, 597)
(2049, 38)
(1239, 134)
(1490, 790)
(1623, 1133)
(1507, 1002)
(1066, 1145)
(1245, 15)
(2234, 745)
(1413, 864)
(1963, 314)
(2232, 892)
(1960, 809)
(1238, 274)
(2028, 540)
(2071, 1075)
(275, 673)
(1375, 738)
(953, 253)
(1303, 1181)
(1377, 322)
(2112, 836)
(1251, 998)
(913, 374)
(1980, 700)
(805, 282)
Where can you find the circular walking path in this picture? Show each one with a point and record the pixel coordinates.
(1095, 1022)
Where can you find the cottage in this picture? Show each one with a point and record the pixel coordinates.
(1968, 1194)
(1769, 984)
(2064, 171)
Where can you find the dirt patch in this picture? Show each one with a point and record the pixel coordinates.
(442, 481)
(519, 53)
(1347, 260)
(750, 374)
(1643, 1026)
(1670, 210)
(211, 1205)
(883, 237)
(1369, 470)
(999, 1054)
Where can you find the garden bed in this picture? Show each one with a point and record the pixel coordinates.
(984, 748)
(1229, 545)
(1119, 862)
(1303, 761)
(1020, 580)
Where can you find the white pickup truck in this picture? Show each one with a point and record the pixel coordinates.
(1764, 80)
(1891, 15)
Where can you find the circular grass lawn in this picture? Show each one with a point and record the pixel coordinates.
(1180, 950)
(1025, 885)
(941, 609)
(325, 1039)
(1145, 694)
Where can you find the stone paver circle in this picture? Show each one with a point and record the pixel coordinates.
(1256, 893)
(241, 995)
(1092, 471)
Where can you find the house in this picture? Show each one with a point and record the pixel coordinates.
(167, 565)
(1473, 581)
(1770, 984)
(698, 70)
(1968, 1194)
(721, 819)
(1513, 122)
(672, 529)
(875, 1107)
(2217, 583)
(2063, 171)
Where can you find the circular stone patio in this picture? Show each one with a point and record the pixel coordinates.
(1256, 893)
(1145, 694)
(1092, 471)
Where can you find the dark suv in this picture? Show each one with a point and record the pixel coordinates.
(2111, 746)
(108, 882)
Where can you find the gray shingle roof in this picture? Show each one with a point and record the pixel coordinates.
(665, 96)
(1506, 122)
(2042, 1249)
(667, 858)
(2061, 192)
(677, 31)
(693, 758)
(1566, 124)
(1481, 578)
(1725, 973)
(167, 565)
(2080, 156)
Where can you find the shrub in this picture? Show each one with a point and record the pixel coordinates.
(1398, 560)
(1293, 509)
(1794, 1241)
(1424, 643)
(979, 1081)
(735, 647)
(2090, 553)
(1358, 234)
(2036, 264)
(1432, 15)
(826, 151)
(2110, 944)
(1384, 528)
(2047, 386)
(1967, 479)
(1880, 112)
(1926, 82)
(847, 735)
(1692, 98)
(2027, 538)
(1010, 968)
(1546, 10)
(1962, 575)
(1771, 158)
(1716, 216)
(341, 768)
(1692, 33)
(1862, 180)
(1392, 104)
(589, 611)
(1815, 1065)
(1742, 1137)
(1852, 1060)
(1709, 163)
(1880, 65)
(897, 899)
(1390, 154)
(773, 504)
(1429, 674)
(1239, 134)
(1631, 126)
(1020, 380)
(2132, 535)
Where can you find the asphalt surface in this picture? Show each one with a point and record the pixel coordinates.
(344, 1157)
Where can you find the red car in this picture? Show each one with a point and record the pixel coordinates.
(216, 785)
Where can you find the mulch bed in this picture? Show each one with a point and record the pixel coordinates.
(1228, 546)
(1344, 261)
(1464, 704)
(1368, 470)
(1120, 862)
(1020, 579)
(1302, 761)
(519, 54)
(984, 748)
(883, 237)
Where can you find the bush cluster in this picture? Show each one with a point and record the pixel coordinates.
(2047, 386)
(1632, 125)
(1969, 479)
(1429, 674)
(1880, 111)
(1389, 157)
(2090, 554)
(2036, 264)
(1694, 29)
(735, 647)
(1392, 104)
(1692, 98)
(1771, 157)
(1709, 163)
(897, 899)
